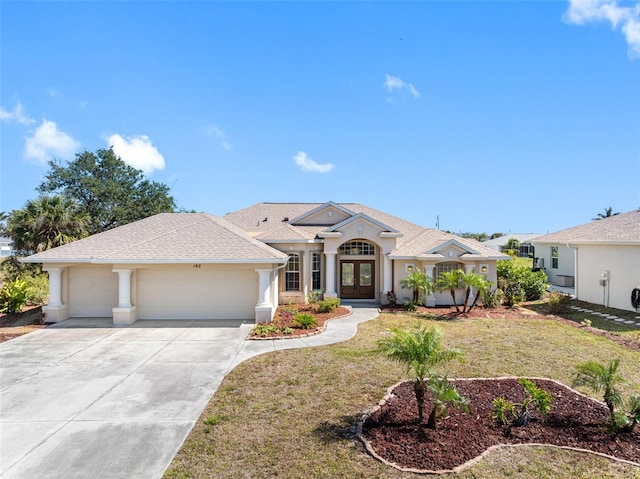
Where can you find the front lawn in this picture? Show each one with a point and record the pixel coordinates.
(292, 414)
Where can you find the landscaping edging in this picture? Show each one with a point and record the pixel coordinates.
(315, 332)
(370, 449)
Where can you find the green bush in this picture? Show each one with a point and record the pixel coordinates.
(519, 414)
(305, 321)
(513, 292)
(491, 298)
(533, 283)
(328, 305)
(38, 288)
(410, 305)
(13, 296)
(558, 302)
(314, 296)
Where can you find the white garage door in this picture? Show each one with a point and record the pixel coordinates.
(93, 291)
(208, 292)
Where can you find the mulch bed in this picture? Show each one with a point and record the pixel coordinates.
(574, 421)
(9, 329)
(321, 318)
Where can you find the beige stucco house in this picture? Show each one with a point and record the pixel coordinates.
(241, 266)
(600, 259)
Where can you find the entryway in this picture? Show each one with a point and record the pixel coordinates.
(357, 279)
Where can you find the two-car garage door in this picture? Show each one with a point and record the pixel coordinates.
(207, 292)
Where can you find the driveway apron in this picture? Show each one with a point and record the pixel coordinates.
(84, 399)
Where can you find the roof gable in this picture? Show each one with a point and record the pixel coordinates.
(328, 213)
(364, 217)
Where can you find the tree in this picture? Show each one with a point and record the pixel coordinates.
(419, 350)
(601, 378)
(111, 192)
(608, 212)
(47, 222)
(450, 280)
(472, 281)
(417, 281)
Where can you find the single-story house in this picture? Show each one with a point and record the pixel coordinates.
(6, 247)
(500, 243)
(199, 266)
(600, 259)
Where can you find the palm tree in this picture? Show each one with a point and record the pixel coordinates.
(601, 378)
(450, 280)
(608, 212)
(472, 281)
(419, 350)
(417, 281)
(47, 222)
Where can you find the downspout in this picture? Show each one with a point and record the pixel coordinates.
(575, 269)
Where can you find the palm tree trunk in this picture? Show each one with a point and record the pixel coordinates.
(466, 299)
(431, 422)
(453, 297)
(475, 300)
(418, 389)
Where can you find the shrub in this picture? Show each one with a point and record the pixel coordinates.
(558, 302)
(305, 321)
(37, 288)
(13, 296)
(491, 299)
(410, 305)
(512, 292)
(327, 305)
(392, 299)
(264, 329)
(519, 413)
(314, 296)
(533, 283)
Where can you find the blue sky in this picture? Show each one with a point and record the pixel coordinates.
(495, 116)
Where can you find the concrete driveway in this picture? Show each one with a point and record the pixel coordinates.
(84, 399)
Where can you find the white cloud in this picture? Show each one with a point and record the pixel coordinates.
(17, 114)
(396, 83)
(47, 142)
(581, 12)
(221, 136)
(307, 164)
(137, 151)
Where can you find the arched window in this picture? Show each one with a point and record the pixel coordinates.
(292, 273)
(354, 248)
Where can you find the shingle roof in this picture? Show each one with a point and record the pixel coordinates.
(503, 240)
(414, 242)
(430, 240)
(167, 238)
(621, 228)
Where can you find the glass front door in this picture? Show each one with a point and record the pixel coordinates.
(357, 280)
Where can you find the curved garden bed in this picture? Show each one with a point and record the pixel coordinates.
(390, 432)
(285, 322)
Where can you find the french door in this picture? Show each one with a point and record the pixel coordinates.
(357, 279)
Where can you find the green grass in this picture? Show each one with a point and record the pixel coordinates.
(292, 414)
(526, 262)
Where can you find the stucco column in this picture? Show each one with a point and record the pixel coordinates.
(124, 287)
(55, 286)
(430, 299)
(264, 287)
(387, 274)
(330, 278)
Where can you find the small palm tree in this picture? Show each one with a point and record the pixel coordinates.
(608, 212)
(601, 378)
(417, 281)
(450, 280)
(419, 350)
(472, 281)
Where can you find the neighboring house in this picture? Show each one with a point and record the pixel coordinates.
(601, 259)
(198, 266)
(500, 243)
(6, 247)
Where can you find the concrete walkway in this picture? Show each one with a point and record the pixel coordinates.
(82, 399)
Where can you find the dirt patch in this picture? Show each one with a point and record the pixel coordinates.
(574, 421)
(15, 325)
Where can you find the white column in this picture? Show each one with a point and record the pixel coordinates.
(264, 287)
(55, 286)
(124, 287)
(387, 274)
(330, 278)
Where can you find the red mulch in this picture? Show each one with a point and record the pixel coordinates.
(574, 421)
(321, 318)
